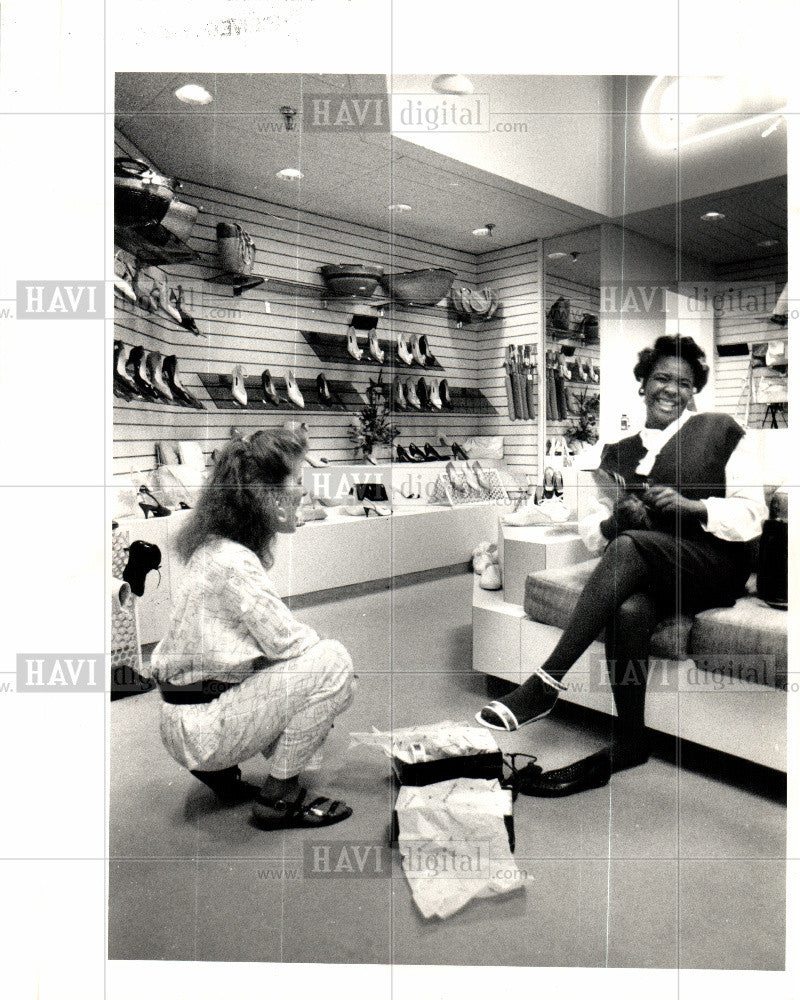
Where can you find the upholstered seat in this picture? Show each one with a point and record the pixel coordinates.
(748, 640)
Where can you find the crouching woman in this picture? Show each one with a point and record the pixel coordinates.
(239, 675)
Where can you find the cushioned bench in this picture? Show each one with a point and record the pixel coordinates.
(748, 640)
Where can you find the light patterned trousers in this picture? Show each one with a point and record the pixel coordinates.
(284, 711)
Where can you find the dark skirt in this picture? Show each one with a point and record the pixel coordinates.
(690, 574)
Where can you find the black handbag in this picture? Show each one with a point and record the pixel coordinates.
(772, 580)
(376, 492)
(589, 329)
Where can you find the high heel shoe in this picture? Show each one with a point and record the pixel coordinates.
(161, 297)
(433, 397)
(136, 362)
(416, 352)
(142, 558)
(153, 362)
(423, 395)
(187, 321)
(411, 396)
(548, 483)
(558, 485)
(375, 349)
(151, 506)
(370, 507)
(403, 455)
(458, 452)
(444, 395)
(456, 479)
(122, 278)
(432, 454)
(323, 391)
(179, 391)
(480, 474)
(268, 389)
(470, 478)
(121, 377)
(293, 391)
(402, 350)
(417, 454)
(398, 395)
(238, 390)
(353, 349)
(143, 285)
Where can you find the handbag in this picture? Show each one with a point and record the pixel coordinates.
(484, 447)
(235, 248)
(589, 328)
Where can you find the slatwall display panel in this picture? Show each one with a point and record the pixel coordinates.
(262, 329)
(736, 325)
(513, 272)
(582, 298)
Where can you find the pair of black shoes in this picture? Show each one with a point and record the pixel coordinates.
(414, 454)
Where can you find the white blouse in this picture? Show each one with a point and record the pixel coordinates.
(736, 517)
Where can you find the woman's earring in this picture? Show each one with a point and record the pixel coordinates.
(641, 390)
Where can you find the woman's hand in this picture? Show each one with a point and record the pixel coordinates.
(669, 501)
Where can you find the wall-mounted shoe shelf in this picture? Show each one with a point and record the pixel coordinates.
(466, 403)
(331, 348)
(153, 244)
(127, 398)
(570, 337)
(346, 397)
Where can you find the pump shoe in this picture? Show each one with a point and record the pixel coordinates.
(153, 362)
(121, 375)
(422, 394)
(416, 352)
(417, 454)
(432, 454)
(375, 350)
(179, 391)
(143, 286)
(122, 278)
(402, 350)
(268, 392)
(293, 391)
(411, 396)
(433, 397)
(136, 362)
(403, 455)
(353, 349)
(187, 321)
(238, 390)
(160, 295)
(323, 392)
(398, 395)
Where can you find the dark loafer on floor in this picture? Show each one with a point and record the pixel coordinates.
(591, 772)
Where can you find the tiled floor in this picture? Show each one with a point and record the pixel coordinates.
(663, 868)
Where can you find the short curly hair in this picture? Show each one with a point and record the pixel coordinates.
(676, 346)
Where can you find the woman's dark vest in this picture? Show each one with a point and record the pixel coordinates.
(692, 461)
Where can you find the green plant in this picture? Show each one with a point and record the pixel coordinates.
(375, 424)
(585, 430)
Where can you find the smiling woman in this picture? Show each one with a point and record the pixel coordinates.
(675, 541)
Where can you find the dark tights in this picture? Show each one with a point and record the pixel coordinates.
(613, 599)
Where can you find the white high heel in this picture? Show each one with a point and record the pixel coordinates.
(470, 478)
(375, 348)
(293, 391)
(402, 350)
(352, 344)
(122, 278)
(238, 390)
(411, 396)
(416, 353)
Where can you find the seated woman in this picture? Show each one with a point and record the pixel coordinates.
(238, 674)
(677, 542)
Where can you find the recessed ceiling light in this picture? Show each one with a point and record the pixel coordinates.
(290, 174)
(453, 83)
(193, 93)
(484, 230)
(556, 255)
(767, 243)
(712, 216)
(399, 207)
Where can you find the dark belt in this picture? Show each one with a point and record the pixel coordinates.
(193, 694)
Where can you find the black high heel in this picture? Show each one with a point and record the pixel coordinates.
(171, 377)
(402, 454)
(136, 362)
(268, 389)
(417, 454)
(323, 391)
(122, 379)
(458, 452)
(422, 393)
(432, 454)
(444, 394)
(156, 508)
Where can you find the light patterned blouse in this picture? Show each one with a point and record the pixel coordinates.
(227, 620)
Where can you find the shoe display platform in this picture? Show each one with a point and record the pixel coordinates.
(737, 717)
(339, 551)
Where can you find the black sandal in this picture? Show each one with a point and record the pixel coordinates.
(273, 814)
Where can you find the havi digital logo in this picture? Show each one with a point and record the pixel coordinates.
(60, 300)
(54, 672)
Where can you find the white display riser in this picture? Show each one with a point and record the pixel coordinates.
(738, 718)
(340, 551)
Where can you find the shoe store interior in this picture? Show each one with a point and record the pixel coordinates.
(411, 315)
